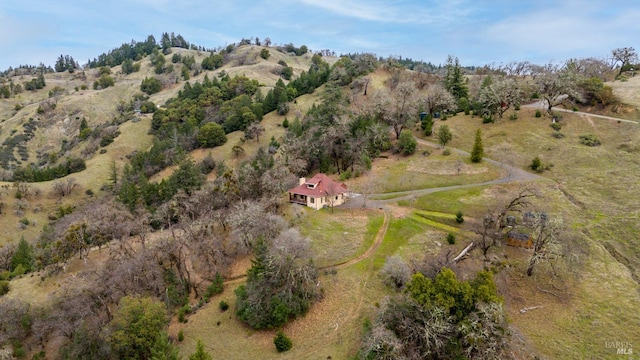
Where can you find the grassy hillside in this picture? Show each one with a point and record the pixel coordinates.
(592, 189)
(60, 124)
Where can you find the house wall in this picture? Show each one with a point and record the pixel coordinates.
(319, 203)
(314, 203)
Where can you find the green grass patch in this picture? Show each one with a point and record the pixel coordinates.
(399, 232)
(444, 218)
(438, 225)
(422, 173)
(339, 235)
(451, 201)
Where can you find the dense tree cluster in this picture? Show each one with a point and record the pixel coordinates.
(212, 62)
(32, 173)
(135, 186)
(66, 63)
(331, 138)
(206, 230)
(135, 50)
(281, 284)
(290, 48)
(150, 86)
(128, 66)
(440, 318)
(352, 66)
(172, 40)
(36, 84)
(22, 70)
(226, 101)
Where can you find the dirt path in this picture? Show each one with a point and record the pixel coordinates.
(541, 105)
(374, 246)
(514, 174)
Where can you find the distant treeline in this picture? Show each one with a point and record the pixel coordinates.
(137, 50)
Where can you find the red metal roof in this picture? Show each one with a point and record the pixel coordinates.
(324, 186)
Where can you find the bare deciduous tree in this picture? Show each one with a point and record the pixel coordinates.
(16, 315)
(590, 67)
(554, 84)
(249, 220)
(6, 254)
(24, 189)
(395, 272)
(546, 234)
(438, 99)
(493, 225)
(399, 107)
(254, 130)
(500, 96)
(65, 187)
(624, 56)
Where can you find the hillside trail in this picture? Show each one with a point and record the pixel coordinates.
(374, 246)
(341, 265)
(542, 105)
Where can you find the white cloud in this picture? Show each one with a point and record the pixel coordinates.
(562, 32)
(400, 12)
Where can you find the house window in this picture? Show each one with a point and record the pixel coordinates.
(336, 197)
(313, 200)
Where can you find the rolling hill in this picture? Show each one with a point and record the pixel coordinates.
(582, 309)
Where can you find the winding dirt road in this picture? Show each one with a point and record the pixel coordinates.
(514, 174)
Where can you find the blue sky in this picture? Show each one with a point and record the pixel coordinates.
(477, 31)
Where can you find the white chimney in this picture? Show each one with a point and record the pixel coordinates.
(302, 181)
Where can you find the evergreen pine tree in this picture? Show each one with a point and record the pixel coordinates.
(23, 256)
(478, 150)
(454, 79)
(162, 349)
(200, 353)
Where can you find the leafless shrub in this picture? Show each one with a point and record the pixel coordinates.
(6, 254)
(15, 316)
(23, 190)
(21, 205)
(64, 187)
(395, 272)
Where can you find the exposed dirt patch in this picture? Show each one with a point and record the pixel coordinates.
(240, 267)
(398, 211)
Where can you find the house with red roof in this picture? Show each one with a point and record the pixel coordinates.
(318, 192)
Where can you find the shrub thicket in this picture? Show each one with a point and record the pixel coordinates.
(407, 143)
(589, 140)
(282, 342)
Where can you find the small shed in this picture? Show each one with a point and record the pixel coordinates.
(517, 239)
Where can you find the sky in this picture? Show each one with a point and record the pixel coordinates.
(478, 32)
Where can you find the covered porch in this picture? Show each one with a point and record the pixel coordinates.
(298, 199)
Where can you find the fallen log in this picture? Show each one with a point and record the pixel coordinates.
(463, 253)
(524, 310)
